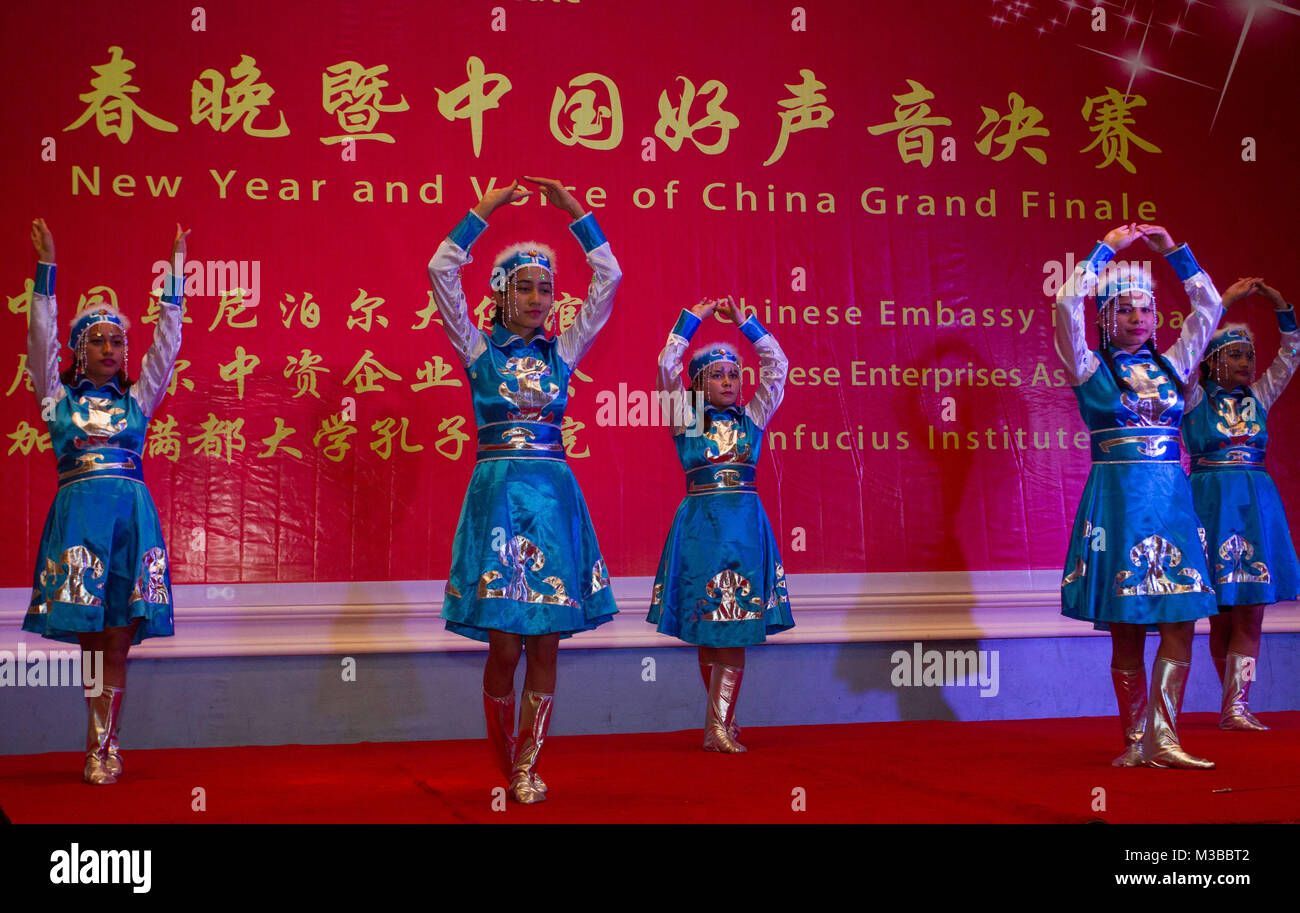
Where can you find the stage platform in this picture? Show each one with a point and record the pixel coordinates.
(1008, 771)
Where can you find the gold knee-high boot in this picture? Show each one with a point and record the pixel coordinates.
(1235, 711)
(114, 760)
(1160, 747)
(499, 713)
(102, 767)
(1131, 695)
(706, 672)
(724, 692)
(534, 721)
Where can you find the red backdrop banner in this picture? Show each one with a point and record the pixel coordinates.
(894, 187)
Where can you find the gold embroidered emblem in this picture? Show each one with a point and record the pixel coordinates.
(99, 421)
(530, 397)
(82, 566)
(724, 435)
(1153, 555)
(518, 556)
(1147, 401)
(1237, 552)
(730, 588)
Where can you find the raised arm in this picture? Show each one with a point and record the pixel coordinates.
(599, 304)
(574, 342)
(669, 375)
(156, 366)
(444, 275)
(43, 320)
(772, 369)
(1269, 387)
(1071, 331)
(1184, 356)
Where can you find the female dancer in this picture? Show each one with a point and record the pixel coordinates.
(1253, 562)
(720, 583)
(526, 568)
(102, 577)
(1136, 555)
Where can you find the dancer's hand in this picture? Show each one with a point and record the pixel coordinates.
(498, 197)
(704, 310)
(1273, 295)
(1121, 236)
(559, 195)
(1242, 288)
(179, 246)
(728, 308)
(42, 240)
(1157, 238)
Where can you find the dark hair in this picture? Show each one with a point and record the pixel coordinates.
(1124, 384)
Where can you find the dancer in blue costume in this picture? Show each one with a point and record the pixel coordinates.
(1252, 558)
(1136, 557)
(102, 576)
(526, 569)
(720, 583)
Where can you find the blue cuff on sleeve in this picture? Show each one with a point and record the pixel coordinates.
(588, 232)
(467, 230)
(752, 329)
(44, 284)
(1184, 264)
(173, 287)
(1286, 320)
(1100, 256)
(686, 325)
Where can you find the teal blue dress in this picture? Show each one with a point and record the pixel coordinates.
(1252, 556)
(525, 559)
(1137, 549)
(102, 562)
(720, 582)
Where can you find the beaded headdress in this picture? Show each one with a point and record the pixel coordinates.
(1230, 334)
(711, 354)
(1120, 278)
(516, 257)
(81, 326)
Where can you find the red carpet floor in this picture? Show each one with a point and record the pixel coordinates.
(1006, 771)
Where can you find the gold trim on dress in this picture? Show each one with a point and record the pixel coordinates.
(91, 462)
(1080, 566)
(151, 585)
(1147, 444)
(599, 576)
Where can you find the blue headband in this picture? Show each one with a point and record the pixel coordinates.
(1230, 337)
(516, 262)
(1119, 282)
(90, 319)
(712, 356)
